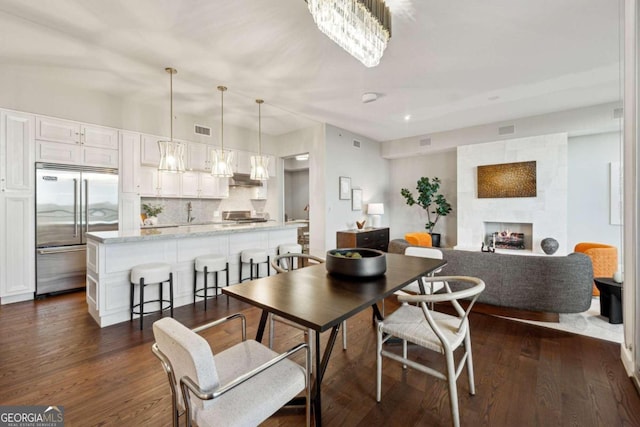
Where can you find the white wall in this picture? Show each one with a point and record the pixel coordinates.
(405, 173)
(367, 170)
(547, 212)
(589, 189)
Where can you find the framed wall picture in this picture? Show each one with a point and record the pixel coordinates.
(345, 188)
(356, 199)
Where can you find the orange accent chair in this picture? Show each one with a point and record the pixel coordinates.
(603, 257)
(419, 239)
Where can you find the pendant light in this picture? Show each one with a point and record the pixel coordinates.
(171, 152)
(260, 163)
(221, 160)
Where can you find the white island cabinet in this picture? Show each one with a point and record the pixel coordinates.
(112, 254)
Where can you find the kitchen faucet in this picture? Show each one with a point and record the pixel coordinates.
(189, 217)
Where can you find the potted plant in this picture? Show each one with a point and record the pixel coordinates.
(431, 201)
(151, 213)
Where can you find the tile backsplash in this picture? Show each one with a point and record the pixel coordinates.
(175, 210)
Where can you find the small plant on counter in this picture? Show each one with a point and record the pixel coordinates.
(151, 210)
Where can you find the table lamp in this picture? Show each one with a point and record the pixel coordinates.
(375, 210)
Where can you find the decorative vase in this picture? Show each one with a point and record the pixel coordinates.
(549, 245)
(151, 220)
(617, 276)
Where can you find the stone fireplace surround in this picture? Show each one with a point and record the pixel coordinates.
(542, 216)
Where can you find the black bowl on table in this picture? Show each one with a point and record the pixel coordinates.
(356, 262)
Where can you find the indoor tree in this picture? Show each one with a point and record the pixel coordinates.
(428, 199)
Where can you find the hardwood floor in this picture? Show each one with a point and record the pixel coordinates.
(53, 353)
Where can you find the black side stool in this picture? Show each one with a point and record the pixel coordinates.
(610, 299)
(209, 264)
(253, 257)
(157, 273)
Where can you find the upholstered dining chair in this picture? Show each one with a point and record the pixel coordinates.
(282, 264)
(240, 386)
(433, 330)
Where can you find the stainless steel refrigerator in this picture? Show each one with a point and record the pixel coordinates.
(70, 201)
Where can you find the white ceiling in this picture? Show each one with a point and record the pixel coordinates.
(449, 64)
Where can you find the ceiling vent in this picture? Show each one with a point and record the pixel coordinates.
(202, 130)
(506, 130)
(617, 113)
(425, 142)
(356, 143)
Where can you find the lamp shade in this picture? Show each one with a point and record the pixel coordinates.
(375, 209)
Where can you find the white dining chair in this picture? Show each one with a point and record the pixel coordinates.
(240, 386)
(432, 330)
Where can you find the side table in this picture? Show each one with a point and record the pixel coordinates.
(610, 299)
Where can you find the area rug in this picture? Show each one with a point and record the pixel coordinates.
(589, 323)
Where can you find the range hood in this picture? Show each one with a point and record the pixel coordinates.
(243, 180)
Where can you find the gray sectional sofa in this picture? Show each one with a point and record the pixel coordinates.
(556, 284)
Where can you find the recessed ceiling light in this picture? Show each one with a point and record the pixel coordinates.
(407, 117)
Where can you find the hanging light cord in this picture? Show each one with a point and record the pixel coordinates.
(222, 89)
(259, 102)
(171, 104)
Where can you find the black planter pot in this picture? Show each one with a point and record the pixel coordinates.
(435, 240)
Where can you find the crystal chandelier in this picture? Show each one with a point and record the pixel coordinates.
(171, 152)
(221, 159)
(361, 27)
(260, 163)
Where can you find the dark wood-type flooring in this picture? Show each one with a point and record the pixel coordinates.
(53, 353)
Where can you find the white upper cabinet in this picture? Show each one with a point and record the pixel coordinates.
(212, 187)
(243, 161)
(16, 151)
(149, 151)
(148, 181)
(129, 162)
(190, 186)
(65, 141)
(198, 157)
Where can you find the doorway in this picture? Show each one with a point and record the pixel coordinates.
(296, 195)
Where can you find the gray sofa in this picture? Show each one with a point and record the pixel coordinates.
(556, 284)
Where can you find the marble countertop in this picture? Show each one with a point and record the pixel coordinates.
(184, 231)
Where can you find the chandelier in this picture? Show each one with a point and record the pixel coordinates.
(361, 27)
(221, 159)
(171, 152)
(260, 163)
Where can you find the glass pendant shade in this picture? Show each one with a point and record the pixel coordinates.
(221, 161)
(260, 167)
(361, 27)
(260, 163)
(171, 156)
(171, 152)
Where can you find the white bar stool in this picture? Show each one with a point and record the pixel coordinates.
(206, 264)
(289, 248)
(143, 275)
(253, 257)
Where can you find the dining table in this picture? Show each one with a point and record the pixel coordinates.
(321, 301)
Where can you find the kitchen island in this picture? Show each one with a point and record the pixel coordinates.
(112, 254)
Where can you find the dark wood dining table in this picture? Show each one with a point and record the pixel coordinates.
(312, 297)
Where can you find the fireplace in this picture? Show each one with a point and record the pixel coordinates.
(509, 235)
